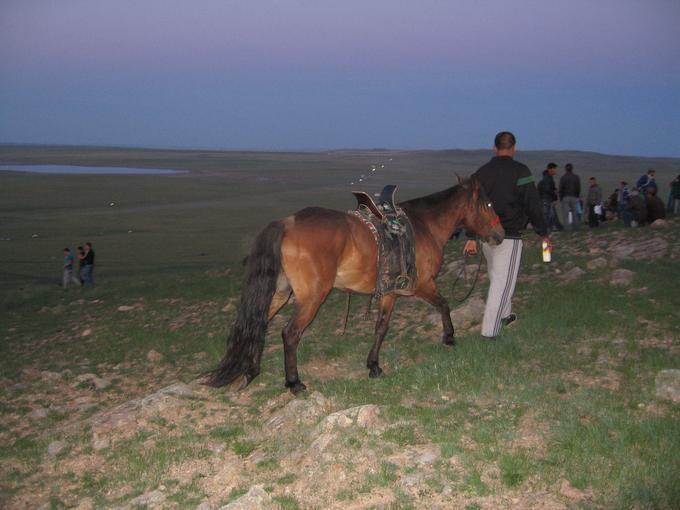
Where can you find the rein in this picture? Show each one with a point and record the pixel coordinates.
(463, 271)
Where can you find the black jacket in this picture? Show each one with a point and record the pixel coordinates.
(546, 188)
(510, 187)
(570, 185)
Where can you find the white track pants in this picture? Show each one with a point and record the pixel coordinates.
(503, 264)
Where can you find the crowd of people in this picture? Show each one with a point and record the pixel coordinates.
(85, 275)
(634, 206)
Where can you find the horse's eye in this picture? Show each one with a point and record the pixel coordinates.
(489, 205)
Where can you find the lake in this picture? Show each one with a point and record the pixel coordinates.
(89, 170)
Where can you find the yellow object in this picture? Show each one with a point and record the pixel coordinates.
(547, 251)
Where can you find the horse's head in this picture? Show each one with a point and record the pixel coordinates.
(479, 216)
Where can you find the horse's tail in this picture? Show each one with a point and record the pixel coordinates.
(246, 339)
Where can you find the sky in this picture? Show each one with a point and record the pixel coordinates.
(592, 75)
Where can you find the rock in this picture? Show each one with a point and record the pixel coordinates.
(38, 413)
(255, 499)
(667, 384)
(128, 412)
(204, 505)
(598, 263)
(126, 308)
(100, 443)
(365, 416)
(573, 274)
(153, 499)
(228, 307)
(86, 332)
(154, 356)
(621, 277)
(471, 310)
(56, 447)
(650, 249)
(85, 504)
(98, 383)
(305, 411)
(569, 491)
(659, 224)
(48, 376)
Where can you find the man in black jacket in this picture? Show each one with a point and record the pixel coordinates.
(547, 192)
(570, 191)
(510, 187)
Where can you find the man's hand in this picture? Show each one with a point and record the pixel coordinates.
(470, 248)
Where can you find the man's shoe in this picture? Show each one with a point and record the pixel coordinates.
(506, 321)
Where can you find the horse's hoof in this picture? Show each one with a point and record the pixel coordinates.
(374, 372)
(449, 340)
(296, 387)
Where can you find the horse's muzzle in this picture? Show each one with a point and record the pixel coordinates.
(496, 237)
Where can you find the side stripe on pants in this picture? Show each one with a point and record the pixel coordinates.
(503, 265)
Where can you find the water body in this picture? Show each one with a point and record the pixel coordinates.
(89, 170)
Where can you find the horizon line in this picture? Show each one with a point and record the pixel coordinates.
(307, 150)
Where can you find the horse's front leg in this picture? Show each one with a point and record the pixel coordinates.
(381, 325)
(430, 293)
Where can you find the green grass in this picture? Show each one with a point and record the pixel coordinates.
(574, 377)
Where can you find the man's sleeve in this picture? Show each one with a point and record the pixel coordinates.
(532, 202)
(561, 188)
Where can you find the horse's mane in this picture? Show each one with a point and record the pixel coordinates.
(434, 200)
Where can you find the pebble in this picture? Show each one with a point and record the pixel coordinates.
(56, 447)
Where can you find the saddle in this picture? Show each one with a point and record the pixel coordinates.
(393, 233)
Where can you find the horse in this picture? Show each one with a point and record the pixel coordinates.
(318, 249)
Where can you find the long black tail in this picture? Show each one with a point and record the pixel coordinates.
(246, 340)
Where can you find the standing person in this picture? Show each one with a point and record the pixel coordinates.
(87, 267)
(646, 181)
(68, 277)
(636, 211)
(81, 257)
(547, 192)
(570, 191)
(674, 198)
(594, 203)
(510, 188)
(622, 199)
(655, 208)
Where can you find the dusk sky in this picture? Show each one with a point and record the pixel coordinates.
(595, 75)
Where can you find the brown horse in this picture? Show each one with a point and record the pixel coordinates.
(316, 250)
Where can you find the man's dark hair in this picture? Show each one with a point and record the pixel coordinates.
(552, 165)
(80, 248)
(88, 244)
(67, 249)
(568, 167)
(651, 171)
(504, 140)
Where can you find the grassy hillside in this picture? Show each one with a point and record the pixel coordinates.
(560, 412)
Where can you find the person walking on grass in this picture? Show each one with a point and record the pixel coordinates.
(569, 192)
(87, 265)
(68, 277)
(594, 203)
(510, 188)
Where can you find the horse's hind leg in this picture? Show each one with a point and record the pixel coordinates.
(429, 293)
(384, 314)
(305, 309)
